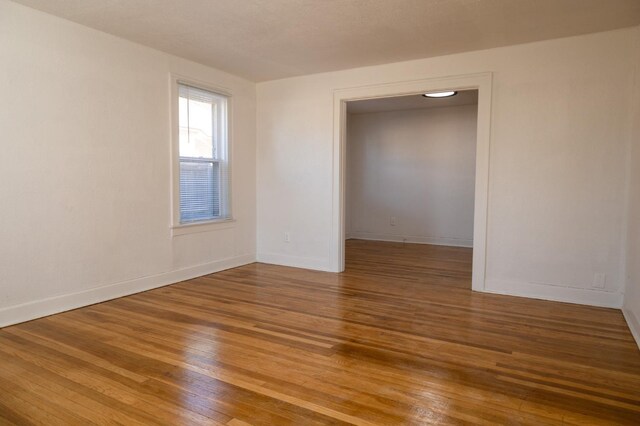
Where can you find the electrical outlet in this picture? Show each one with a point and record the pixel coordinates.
(287, 237)
(599, 280)
(393, 221)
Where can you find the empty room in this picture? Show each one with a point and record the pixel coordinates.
(296, 212)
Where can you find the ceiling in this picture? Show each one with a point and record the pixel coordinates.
(400, 103)
(270, 39)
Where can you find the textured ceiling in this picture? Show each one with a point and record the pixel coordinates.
(401, 103)
(271, 39)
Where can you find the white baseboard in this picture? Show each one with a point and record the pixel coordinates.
(633, 323)
(580, 296)
(53, 305)
(439, 241)
(294, 261)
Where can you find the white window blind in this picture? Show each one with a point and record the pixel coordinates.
(203, 150)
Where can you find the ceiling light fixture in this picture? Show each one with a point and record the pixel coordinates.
(447, 94)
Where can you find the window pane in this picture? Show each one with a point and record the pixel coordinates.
(196, 127)
(199, 190)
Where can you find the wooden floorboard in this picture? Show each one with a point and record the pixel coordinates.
(398, 338)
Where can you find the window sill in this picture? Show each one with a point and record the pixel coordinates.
(196, 227)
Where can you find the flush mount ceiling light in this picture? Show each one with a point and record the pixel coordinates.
(446, 94)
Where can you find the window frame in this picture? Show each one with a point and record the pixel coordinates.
(178, 228)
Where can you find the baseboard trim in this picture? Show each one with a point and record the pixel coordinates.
(554, 293)
(54, 305)
(294, 261)
(438, 241)
(633, 323)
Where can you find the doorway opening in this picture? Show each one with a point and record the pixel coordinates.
(377, 220)
(410, 185)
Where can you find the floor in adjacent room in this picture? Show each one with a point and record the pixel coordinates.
(399, 338)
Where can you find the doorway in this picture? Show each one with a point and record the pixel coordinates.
(478, 82)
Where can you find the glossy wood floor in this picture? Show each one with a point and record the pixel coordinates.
(398, 338)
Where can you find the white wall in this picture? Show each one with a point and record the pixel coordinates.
(85, 168)
(560, 131)
(632, 292)
(417, 166)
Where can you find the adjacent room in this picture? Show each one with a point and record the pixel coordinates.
(277, 212)
(410, 179)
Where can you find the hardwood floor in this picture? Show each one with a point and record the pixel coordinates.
(398, 338)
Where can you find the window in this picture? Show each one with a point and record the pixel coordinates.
(203, 153)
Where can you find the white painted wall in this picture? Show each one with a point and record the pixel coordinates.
(632, 291)
(560, 132)
(85, 168)
(417, 166)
